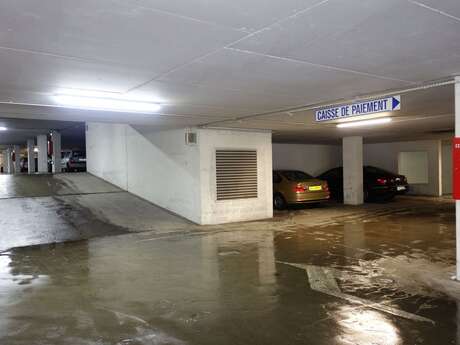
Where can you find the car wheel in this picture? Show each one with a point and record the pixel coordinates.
(279, 203)
(366, 195)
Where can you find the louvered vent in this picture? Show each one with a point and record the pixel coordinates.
(236, 174)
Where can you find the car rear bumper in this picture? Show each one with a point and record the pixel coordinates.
(382, 190)
(400, 190)
(77, 165)
(309, 197)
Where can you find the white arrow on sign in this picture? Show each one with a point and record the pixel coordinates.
(322, 280)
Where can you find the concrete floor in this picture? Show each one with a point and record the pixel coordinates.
(377, 274)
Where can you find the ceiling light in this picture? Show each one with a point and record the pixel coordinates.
(3, 129)
(105, 101)
(372, 122)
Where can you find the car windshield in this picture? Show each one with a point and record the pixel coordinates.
(296, 175)
(374, 170)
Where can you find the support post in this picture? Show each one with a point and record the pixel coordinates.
(352, 148)
(31, 156)
(457, 202)
(17, 159)
(9, 161)
(56, 154)
(42, 144)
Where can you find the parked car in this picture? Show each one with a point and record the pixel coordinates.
(297, 187)
(73, 161)
(379, 184)
(23, 164)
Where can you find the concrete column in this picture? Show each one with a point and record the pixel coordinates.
(31, 156)
(457, 202)
(17, 159)
(5, 161)
(2, 160)
(56, 154)
(352, 148)
(42, 144)
(9, 161)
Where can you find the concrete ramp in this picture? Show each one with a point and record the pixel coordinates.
(20, 186)
(42, 209)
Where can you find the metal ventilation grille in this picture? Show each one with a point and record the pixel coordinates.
(236, 174)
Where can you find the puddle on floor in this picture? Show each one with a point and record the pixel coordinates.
(233, 287)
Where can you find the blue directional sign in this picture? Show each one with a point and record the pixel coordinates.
(358, 109)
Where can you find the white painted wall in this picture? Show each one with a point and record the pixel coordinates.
(385, 155)
(224, 211)
(106, 150)
(156, 166)
(446, 167)
(161, 168)
(313, 159)
(165, 171)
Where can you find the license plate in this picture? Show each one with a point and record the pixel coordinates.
(400, 188)
(315, 188)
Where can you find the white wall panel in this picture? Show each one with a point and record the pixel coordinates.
(312, 159)
(385, 155)
(164, 170)
(106, 152)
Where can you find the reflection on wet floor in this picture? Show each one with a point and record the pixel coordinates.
(239, 286)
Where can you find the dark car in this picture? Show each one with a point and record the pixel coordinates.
(379, 184)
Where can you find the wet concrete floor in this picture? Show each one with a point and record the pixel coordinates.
(377, 274)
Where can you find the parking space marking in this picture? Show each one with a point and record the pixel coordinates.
(322, 279)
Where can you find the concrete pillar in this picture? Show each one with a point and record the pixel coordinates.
(56, 154)
(352, 170)
(5, 161)
(9, 161)
(17, 159)
(31, 156)
(42, 144)
(457, 202)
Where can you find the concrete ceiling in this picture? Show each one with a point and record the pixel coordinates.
(207, 61)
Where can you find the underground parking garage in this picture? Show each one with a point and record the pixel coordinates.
(230, 172)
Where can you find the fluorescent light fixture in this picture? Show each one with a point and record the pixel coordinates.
(372, 122)
(3, 129)
(105, 101)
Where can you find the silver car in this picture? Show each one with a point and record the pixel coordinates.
(73, 160)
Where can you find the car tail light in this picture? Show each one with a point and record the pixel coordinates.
(299, 189)
(382, 181)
